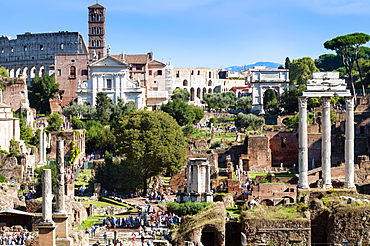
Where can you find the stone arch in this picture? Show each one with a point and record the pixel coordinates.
(210, 90)
(210, 83)
(267, 202)
(291, 199)
(198, 93)
(185, 83)
(210, 236)
(17, 72)
(192, 94)
(204, 92)
(12, 73)
(25, 72)
(41, 71)
(32, 72)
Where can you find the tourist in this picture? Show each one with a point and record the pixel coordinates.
(92, 231)
(105, 237)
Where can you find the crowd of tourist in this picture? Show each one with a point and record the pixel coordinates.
(16, 238)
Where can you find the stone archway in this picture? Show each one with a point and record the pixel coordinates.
(25, 72)
(192, 94)
(210, 236)
(267, 202)
(41, 71)
(33, 72)
(12, 73)
(17, 72)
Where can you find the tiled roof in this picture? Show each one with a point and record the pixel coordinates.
(136, 59)
(156, 63)
(96, 6)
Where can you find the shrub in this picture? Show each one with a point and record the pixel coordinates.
(2, 178)
(188, 208)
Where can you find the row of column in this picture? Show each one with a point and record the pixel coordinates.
(326, 144)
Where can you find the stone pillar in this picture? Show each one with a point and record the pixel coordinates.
(208, 179)
(42, 151)
(60, 191)
(47, 226)
(326, 143)
(189, 176)
(303, 143)
(198, 179)
(349, 144)
(47, 197)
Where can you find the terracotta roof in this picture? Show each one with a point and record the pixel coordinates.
(96, 6)
(136, 59)
(118, 57)
(156, 63)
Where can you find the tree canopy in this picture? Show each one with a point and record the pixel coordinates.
(55, 122)
(4, 72)
(182, 94)
(157, 140)
(183, 113)
(220, 100)
(348, 47)
(301, 70)
(244, 102)
(249, 121)
(40, 91)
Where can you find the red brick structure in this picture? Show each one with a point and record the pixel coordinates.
(258, 153)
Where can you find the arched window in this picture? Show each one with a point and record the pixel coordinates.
(185, 83)
(72, 72)
(98, 43)
(210, 83)
(99, 17)
(93, 17)
(198, 93)
(99, 30)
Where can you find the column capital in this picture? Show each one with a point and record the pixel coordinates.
(350, 103)
(326, 101)
(302, 102)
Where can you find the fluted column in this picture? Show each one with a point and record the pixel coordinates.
(47, 197)
(60, 191)
(303, 143)
(42, 144)
(326, 143)
(349, 144)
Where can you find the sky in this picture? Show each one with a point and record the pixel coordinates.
(200, 33)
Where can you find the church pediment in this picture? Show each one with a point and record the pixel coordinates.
(108, 61)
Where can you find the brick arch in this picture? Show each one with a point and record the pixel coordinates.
(267, 202)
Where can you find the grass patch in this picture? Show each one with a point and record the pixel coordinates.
(100, 204)
(253, 175)
(85, 172)
(285, 175)
(275, 213)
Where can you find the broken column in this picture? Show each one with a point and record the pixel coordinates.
(349, 144)
(60, 216)
(42, 151)
(303, 143)
(46, 226)
(326, 143)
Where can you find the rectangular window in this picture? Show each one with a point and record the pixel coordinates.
(150, 72)
(59, 72)
(25, 48)
(139, 67)
(109, 84)
(155, 88)
(41, 47)
(84, 72)
(159, 72)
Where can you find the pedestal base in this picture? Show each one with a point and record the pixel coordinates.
(46, 233)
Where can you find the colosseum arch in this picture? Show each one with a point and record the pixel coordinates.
(17, 72)
(33, 72)
(210, 83)
(41, 71)
(210, 90)
(204, 92)
(192, 94)
(11, 73)
(185, 83)
(25, 72)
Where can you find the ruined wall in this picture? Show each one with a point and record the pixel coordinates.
(283, 147)
(258, 152)
(78, 136)
(277, 232)
(15, 93)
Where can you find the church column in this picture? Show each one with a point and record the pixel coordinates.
(349, 144)
(303, 149)
(326, 143)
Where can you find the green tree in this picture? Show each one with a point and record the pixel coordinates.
(301, 70)
(180, 111)
(348, 47)
(77, 123)
(157, 140)
(40, 91)
(220, 100)
(182, 94)
(79, 110)
(289, 99)
(270, 101)
(106, 142)
(249, 121)
(287, 63)
(55, 122)
(93, 131)
(4, 72)
(38, 174)
(328, 62)
(104, 107)
(244, 102)
(26, 133)
(73, 153)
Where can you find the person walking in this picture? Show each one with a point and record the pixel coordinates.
(105, 237)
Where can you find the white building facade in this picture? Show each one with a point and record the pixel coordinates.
(111, 76)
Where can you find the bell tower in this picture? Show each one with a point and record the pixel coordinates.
(96, 31)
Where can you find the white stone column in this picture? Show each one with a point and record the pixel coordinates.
(189, 181)
(208, 179)
(349, 144)
(326, 143)
(42, 144)
(60, 191)
(303, 143)
(47, 197)
(199, 179)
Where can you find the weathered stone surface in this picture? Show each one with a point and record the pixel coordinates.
(9, 197)
(34, 206)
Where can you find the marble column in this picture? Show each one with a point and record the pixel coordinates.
(189, 178)
(349, 144)
(42, 151)
(303, 144)
(208, 179)
(47, 197)
(326, 143)
(60, 189)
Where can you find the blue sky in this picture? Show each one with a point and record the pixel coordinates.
(200, 33)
